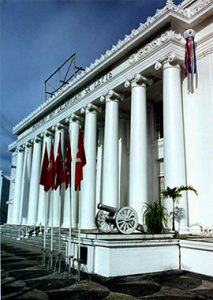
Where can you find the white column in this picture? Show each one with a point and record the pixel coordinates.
(34, 182)
(59, 193)
(24, 199)
(110, 160)
(12, 187)
(138, 175)
(18, 180)
(44, 197)
(174, 151)
(123, 161)
(88, 186)
(74, 130)
(66, 219)
(99, 167)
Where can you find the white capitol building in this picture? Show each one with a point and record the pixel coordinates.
(143, 131)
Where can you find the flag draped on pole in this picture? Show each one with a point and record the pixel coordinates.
(59, 167)
(67, 163)
(45, 162)
(50, 180)
(80, 161)
(190, 59)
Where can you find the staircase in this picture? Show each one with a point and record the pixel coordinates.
(32, 237)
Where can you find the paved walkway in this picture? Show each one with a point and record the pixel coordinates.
(23, 278)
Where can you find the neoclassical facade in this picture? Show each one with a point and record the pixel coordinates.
(143, 130)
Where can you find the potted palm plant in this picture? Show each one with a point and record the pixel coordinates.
(155, 217)
(175, 195)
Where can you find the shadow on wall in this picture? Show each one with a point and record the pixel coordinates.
(179, 214)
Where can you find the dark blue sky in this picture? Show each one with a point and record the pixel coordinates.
(37, 36)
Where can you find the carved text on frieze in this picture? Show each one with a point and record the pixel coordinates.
(74, 99)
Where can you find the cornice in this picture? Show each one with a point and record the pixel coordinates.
(12, 146)
(170, 9)
(171, 43)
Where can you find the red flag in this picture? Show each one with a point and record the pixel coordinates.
(50, 177)
(59, 167)
(80, 161)
(45, 163)
(67, 163)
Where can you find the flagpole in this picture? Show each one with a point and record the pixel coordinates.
(59, 227)
(70, 232)
(67, 180)
(59, 233)
(80, 162)
(45, 221)
(51, 241)
(79, 236)
(45, 200)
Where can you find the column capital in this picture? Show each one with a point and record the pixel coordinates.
(169, 60)
(91, 108)
(58, 126)
(20, 148)
(48, 133)
(73, 118)
(29, 143)
(38, 139)
(113, 96)
(102, 99)
(138, 80)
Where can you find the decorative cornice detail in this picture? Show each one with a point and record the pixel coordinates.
(170, 6)
(169, 35)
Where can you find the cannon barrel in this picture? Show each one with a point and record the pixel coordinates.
(107, 208)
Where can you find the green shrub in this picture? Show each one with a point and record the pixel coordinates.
(155, 217)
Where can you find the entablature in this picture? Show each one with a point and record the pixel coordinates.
(169, 44)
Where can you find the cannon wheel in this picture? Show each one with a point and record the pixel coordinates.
(101, 222)
(126, 220)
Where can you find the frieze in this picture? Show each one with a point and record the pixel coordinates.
(150, 47)
(69, 103)
(199, 6)
(170, 6)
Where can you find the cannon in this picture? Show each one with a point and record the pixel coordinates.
(124, 219)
